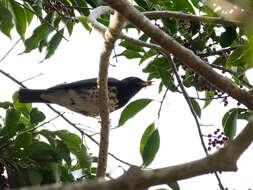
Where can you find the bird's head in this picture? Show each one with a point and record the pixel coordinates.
(131, 86)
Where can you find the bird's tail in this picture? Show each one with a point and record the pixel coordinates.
(29, 96)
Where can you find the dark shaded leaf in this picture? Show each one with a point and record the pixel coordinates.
(36, 116)
(174, 186)
(63, 152)
(228, 37)
(23, 140)
(5, 105)
(11, 121)
(5, 21)
(151, 148)
(132, 109)
(41, 152)
(75, 146)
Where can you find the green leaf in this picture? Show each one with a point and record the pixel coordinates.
(165, 76)
(11, 121)
(5, 105)
(209, 96)
(130, 54)
(170, 26)
(183, 5)
(49, 135)
(105, 22)
(151, 148)
(83, 20)
(75, 146)
(70, 26)
(146, 135)
(174, 186)
(41, 152)
(198, 44)
(196, 107)
(19, 18)
(235, 56)
(39, 34)
(228, 37)
(131, 46)
(5, 21)
(142, 3)
(29, 14)
(24, 108)
(23, 140)
(63, 152)
(54, 43)
(132, 109)
(229, 123)
(36, 116)
(83, 10)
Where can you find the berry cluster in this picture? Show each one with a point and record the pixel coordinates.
(3, 180)
(216, 139)
(60, 8)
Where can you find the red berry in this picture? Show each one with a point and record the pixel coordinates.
(209, 135)
(183, 77)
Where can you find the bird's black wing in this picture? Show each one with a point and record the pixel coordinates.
(87, 83)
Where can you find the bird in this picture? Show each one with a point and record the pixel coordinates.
(82, 96)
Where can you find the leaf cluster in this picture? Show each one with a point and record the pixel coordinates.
(32, 156)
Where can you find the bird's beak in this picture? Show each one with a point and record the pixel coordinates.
(146, 83)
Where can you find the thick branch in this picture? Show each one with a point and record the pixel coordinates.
(110, 37)
(181, 53)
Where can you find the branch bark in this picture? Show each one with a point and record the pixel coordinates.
(110, 36)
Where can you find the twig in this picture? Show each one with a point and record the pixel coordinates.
(161, 104)
(40, 17)
(173, 66)
(32, 78)
(218, 52)
(7, 53)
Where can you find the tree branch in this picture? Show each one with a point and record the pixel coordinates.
(110, 36)
(181, 53)
(194, 18)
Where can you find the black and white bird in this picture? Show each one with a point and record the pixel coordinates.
(82, 96)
